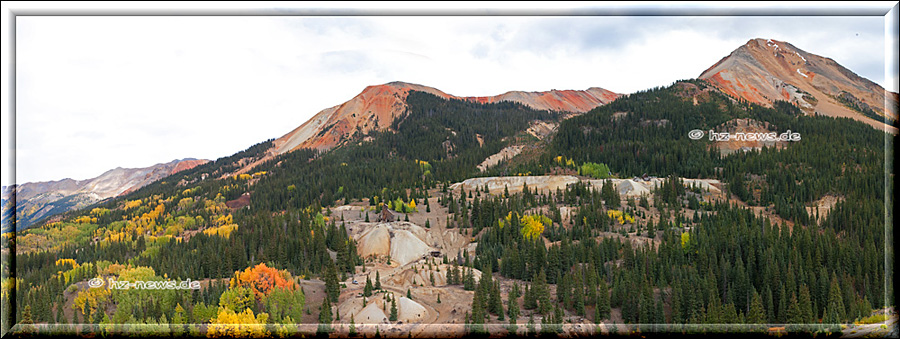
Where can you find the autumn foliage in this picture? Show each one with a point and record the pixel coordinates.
(231, 324)
(263, 280)
(533, 225)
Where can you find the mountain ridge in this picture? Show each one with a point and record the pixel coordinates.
(38, 200)
(764, 70)
(377, 105)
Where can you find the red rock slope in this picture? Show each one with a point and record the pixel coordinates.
(764, 70)
(377, 106)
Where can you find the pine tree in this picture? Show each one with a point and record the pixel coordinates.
(794, 315)
(325, 316)
(530, 302)
(393, 316)
(542, 293)
(332, 286)
(757, 314)
(60, 316)
(563, 290)
(529, 328)
(513, 303)
(782, 316)
(496, 304)
(835, 304)
(805, 304)
(469, 280)
(27, 321)
(352, 330)
(367, 291)
(770, 306)
(558, 318)
(377, 280)
(578, 294)
(603, 307)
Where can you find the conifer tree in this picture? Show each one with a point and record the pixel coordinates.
(757, 314)
(27, 321)
(530, 300)
(367, 291)
(496, 304)
(332, 286)
(578, 294)
(794, 315)
(352, 329)
(393, 316)
(513, 303)
(835, 304)
(60, 316)
(805, 304)
(325, 316)
(542, 293)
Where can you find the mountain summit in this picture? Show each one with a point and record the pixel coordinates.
(377, 106)
(766, 70)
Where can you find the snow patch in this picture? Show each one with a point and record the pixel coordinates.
(801, 73)
(801, 57)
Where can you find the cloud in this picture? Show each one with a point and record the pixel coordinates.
(95, 93)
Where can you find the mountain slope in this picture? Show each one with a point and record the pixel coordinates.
(38, 200)
(764, 70)
(377, 106)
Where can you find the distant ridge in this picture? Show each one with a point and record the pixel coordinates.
(38, 200)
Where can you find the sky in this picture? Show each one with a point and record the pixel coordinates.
(93, 93)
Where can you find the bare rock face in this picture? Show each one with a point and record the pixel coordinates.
(37, 200)
(403, 241)
(409, 311)
(516, 184)
(371, 314)
(377, 106)
(764, 70)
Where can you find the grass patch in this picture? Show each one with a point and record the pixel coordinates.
(873, 319)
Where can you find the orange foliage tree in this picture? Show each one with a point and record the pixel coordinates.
(263, 280)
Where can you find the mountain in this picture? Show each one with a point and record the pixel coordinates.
(569, 211)
(764, 70)
(38, 200)
(377, 106)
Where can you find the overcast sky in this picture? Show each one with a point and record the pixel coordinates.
(95, 93)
